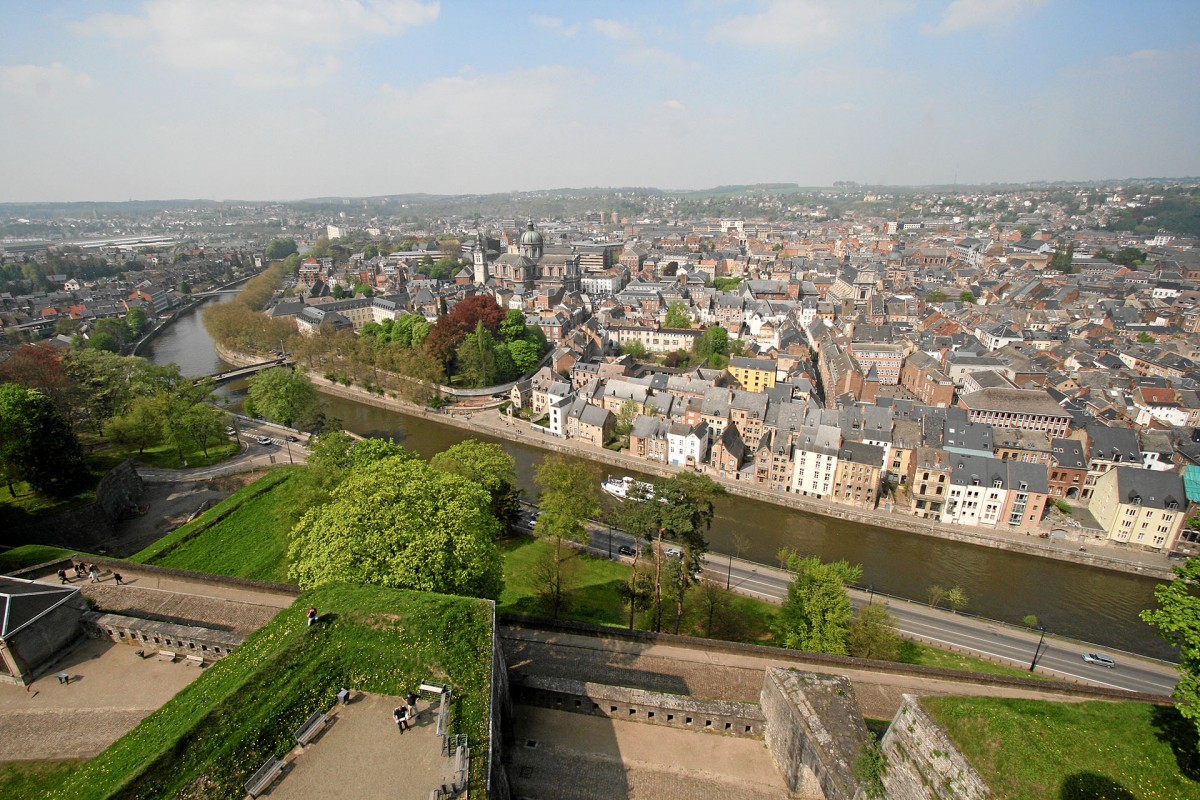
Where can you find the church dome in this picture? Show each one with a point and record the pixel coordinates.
(531, 237)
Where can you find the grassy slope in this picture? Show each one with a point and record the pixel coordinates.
(1035, 749)
(247, 540)
(218, 730)
(30, 778)
(29, 554)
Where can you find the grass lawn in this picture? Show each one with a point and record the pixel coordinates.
(926, 656)
(214, 734)
(594, 597)
(1035, 749)
(27, 506)
(29, 554)
(30, 778)
(242, 535)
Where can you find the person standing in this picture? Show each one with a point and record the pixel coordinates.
(400, 718)
(411, 699)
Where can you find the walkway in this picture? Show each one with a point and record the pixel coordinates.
(362, 754)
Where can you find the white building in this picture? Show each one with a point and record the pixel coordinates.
(815, 460)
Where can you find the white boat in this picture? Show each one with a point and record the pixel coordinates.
(621, 487)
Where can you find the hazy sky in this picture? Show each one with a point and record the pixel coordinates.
(285, 99)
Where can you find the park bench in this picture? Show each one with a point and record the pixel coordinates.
(167, 655)
(267, 773)
(311, 727)
(195, 661)
(462, 764)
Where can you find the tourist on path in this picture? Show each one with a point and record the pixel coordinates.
(95, 573)
(411, 699)
(62, 576)
(117, 577)
(400, 715)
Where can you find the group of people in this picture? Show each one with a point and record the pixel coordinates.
(403, 713)
(83, 570)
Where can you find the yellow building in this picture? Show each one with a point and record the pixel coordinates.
(1140, 506)
(754, 374)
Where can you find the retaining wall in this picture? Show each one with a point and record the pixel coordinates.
(922, 762)
(725, 717)
(184, 640)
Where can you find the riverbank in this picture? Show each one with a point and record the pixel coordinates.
(492, 423)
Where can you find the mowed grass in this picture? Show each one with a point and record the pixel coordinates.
(28, 779)
(241, 536)
(29, 554)
(1036, 749)
(211, 737)
(593, 593)
(926, 656)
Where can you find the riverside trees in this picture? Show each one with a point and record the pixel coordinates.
(1178, 620)
(568, 498)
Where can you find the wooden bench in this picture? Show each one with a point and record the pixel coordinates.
(462, 761)
(266, 774)
(195, 661)
(167, 655)
(311, 727)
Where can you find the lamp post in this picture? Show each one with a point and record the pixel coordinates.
(729, 573)
(1037, 651)
(870, 594)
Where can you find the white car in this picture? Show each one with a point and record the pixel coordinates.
(1096, 658)
(263, 439)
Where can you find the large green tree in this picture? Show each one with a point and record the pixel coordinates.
(401, 523)
(1178, 620)
(686, 504)
(37, 444)
(872, 634)
(278, 249)
(678, 316)
(487, 464)
(568, 497)
(284, 395)
(816, 613)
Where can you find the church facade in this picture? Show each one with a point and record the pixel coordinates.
(527, 266)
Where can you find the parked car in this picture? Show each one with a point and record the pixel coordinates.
(291, 438)
(625, 550)
(673, 552)
(1101, 660)
(263, 439)
(231, 431)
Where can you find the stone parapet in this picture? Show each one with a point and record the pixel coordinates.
(922, 762)
(184, 640)
(815, 731)
(725, 717)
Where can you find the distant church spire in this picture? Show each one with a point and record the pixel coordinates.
(481, 270)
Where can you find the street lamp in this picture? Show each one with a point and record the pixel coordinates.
(1037, 651)
(870, 594)
(729, 573)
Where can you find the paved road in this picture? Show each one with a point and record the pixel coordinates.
(1015, 645)
(253, 455)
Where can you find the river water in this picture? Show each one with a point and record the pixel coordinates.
(1072, 600)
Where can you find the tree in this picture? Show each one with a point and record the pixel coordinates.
(1178, 620)
(37, 444)
(678, 316)
(476, 358)
(628, 413)
(204, 424)
(568, 497)
(872, 634)
(278, 249)
(1145, 338)
(403, 524)
(937, 594)
(967, 297)
(140, 427)
(487, 464)
(104, 384)
(816, 613)
(713, 346)
(512, 328)
(102, 340)
(634, 348)
(283, 395)
(525, 356)
(135, 320)
(686, 505)
(957, 598)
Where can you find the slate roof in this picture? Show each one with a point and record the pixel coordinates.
(23, 602)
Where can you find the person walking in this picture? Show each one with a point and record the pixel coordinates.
(62, 577)
(411, 699)
(94, 571)
(117, 577)
(400, 715)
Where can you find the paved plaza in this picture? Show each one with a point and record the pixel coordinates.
(111, 690)
(362, 754)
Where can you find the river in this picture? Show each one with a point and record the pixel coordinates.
(1073, 600)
